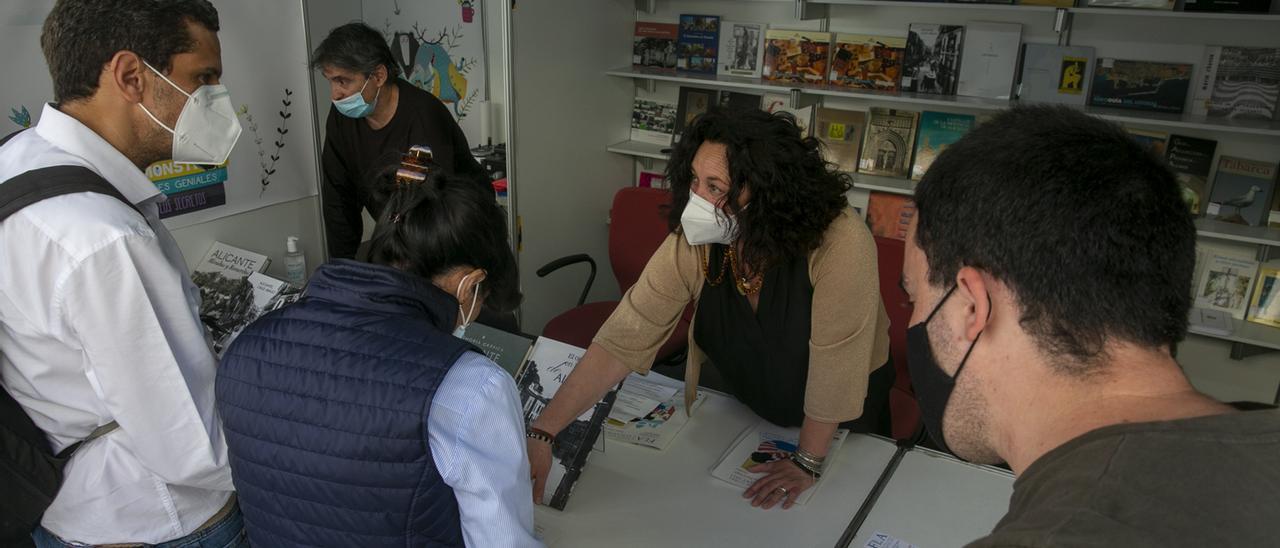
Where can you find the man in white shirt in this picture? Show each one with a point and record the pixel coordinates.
(98, 318)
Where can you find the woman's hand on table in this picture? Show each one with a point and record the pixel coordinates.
(539, 466)
(783, 482)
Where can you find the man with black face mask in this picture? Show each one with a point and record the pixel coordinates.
(1050, 262)
(99, 327)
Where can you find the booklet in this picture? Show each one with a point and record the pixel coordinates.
(649, 411)
(762, 443)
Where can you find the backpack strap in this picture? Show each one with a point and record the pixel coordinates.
(44, 183)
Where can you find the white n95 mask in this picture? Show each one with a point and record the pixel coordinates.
(207, 129)
(702, 223)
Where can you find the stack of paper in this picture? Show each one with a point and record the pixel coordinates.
(649, 411)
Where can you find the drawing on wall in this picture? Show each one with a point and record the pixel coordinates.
(20, 117)
(267, 160)
(427, 62)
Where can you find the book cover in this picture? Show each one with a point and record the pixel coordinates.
(1239, 83)
(989, 60)
(762, 443)
(267, 294)
(741, 49)
(1132, 4)
(932, 63)
(1141, 85)
(778, 102)
(1213, 322)
(1191, 160)
(796, 56)
(649, 411)
(654, 45)
(862, 61)
(888, 215)
(1154, 141)
(1241, 6)
(736, 100)
(225, 292)
(1051, 3)
(692, 104)
(1265, 308)
(841, 134)
(696, 46)
(653, 121)
(549, 364)
(1055, 74)
(1242, 191)
(1226, 283)
(508, 350)
(938, 130)
(888, 142)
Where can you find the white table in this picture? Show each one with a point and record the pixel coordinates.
(636, 496)
(934, 501)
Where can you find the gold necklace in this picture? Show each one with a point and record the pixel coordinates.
(746, 286)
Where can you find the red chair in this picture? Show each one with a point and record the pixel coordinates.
(903, 409)
(637, 227)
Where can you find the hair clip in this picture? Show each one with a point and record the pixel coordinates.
(395, 218)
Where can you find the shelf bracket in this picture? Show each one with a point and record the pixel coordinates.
(806, 11)
(1062, 18)
(646, 163)
(650, 86)
(799, 99)
(647, 6)
(1240, 351)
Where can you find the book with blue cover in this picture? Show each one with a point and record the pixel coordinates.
(698, 42)
(938, 130)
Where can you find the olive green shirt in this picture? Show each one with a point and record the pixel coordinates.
(1204, 481)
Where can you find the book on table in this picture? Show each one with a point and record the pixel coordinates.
(268, 294)
(762, 443)
(226, 294)
(649, 411)
(508, 350)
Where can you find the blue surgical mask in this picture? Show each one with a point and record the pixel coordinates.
(355, 105)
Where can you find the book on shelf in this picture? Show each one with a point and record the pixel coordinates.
(1240, 6)
(508, 350)
(796, 56)
(1131, 4)
(1265, 308)
(1055, 74)
(1226, 283)
(989, 60)
(735, 100)
(1235, 82)
(1191, 160)
(1141, 85)
(741, 49)
(888, 142)
(862, 61)
(780, 102)
(1242, 191)
(1156, 142)
(649, 411)
(692, 104)
(1050, 3)
(549, 364)
(696, 46)
(938, 130)
(1212, 322)
(1274, 217)
(888, 215)
(763, 443)
(653, 121)
(226, 295)
(654, 45)
(841, 134)
(268, 294)
(932, 61)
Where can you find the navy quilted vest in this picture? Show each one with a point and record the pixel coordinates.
(325, 406)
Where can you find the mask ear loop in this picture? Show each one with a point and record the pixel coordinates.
(965, 360)
(474, 298)
(175, 86)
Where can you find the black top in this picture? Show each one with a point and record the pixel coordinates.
(1204, 481)
(354, 154)
(763, 355)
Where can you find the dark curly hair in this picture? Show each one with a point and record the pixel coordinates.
(795, 193)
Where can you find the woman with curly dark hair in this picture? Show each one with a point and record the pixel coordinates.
(785, 282)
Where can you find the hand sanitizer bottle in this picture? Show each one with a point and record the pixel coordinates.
(295, 263)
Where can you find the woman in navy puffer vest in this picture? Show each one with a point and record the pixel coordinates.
(355, 418)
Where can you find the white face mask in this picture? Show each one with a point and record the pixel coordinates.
(207, 128)
(464, 317)
(704, 223)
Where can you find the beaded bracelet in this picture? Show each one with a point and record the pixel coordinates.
(540, 435)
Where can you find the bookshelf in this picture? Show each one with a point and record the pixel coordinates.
(1101, 12)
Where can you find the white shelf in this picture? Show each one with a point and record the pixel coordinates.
(1248, 333)
(1257, 235)
(1119, 12)
(641, 149)
(1181, 121)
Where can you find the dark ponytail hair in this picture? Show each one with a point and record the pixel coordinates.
(441, 223)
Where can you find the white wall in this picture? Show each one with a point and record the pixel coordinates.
(262, 230)
(566, 112)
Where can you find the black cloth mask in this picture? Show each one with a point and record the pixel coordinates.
(932, 385)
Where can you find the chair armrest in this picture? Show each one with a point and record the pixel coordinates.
(572, 260)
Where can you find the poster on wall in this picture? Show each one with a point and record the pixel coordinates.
(440, 48)
(264, 58)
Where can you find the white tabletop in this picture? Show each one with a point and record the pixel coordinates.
(936, 501)
(636, 496)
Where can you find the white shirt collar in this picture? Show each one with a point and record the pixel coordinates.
(77, 139)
